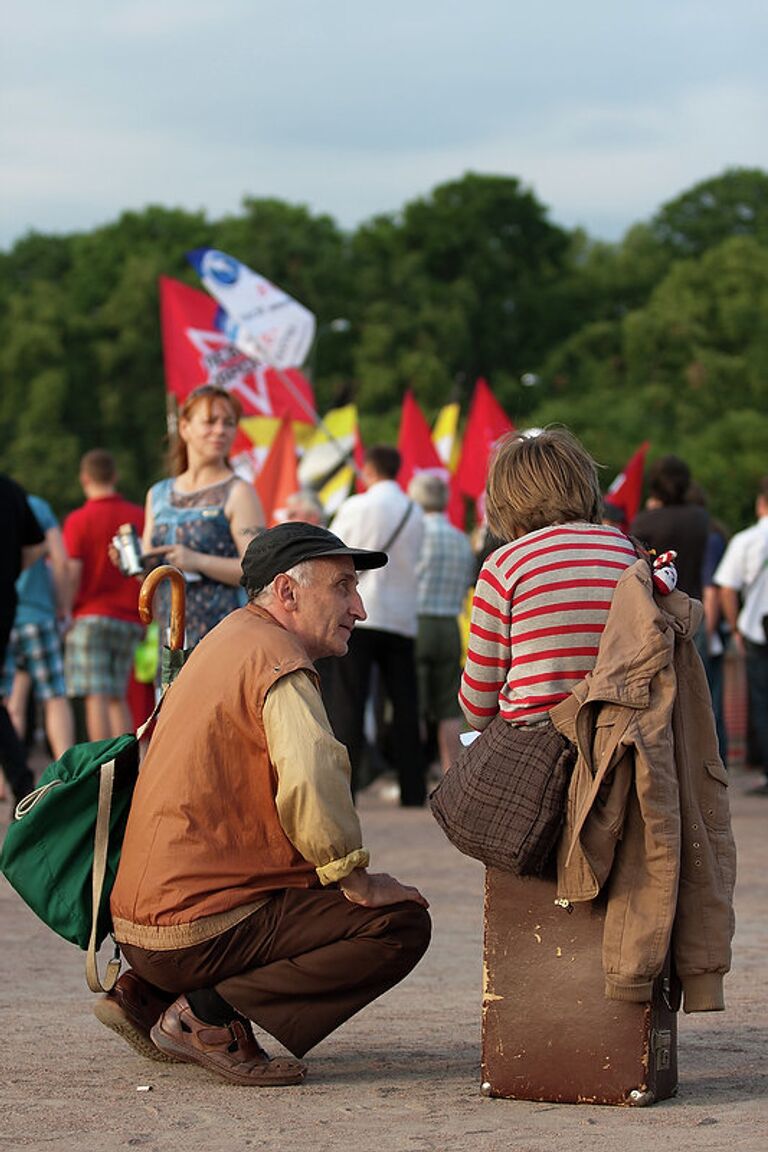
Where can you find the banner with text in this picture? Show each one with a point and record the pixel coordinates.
(261, 320)
(196, 352)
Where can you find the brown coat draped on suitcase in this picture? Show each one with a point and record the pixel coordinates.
(648, 819)
(579, 1002)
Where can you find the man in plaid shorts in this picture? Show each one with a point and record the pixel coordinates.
(33, 658)
(101, 644)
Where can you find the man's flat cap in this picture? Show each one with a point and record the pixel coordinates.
(285, 545)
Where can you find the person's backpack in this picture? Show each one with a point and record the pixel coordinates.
(62, 850)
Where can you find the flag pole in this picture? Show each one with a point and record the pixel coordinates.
(171, 416)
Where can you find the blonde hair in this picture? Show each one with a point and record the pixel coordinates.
(535, 481)
(178, 461)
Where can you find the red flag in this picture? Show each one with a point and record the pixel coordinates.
(196, 353)
(359, 458)
(278, 478)
(414, 443)
(626, 491)
(487, 423)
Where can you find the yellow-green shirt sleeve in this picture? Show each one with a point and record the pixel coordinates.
(314, 801)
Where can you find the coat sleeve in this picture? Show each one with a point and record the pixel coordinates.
(704, 921)
(643, 885)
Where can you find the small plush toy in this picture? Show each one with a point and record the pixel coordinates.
(665, 573)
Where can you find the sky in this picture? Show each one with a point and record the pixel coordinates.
(605, 109)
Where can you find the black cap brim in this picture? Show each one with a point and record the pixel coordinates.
(363, 558)
(283, 547)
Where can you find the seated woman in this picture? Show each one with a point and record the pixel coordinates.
(647, 820)
(542, 597)
(202, 519)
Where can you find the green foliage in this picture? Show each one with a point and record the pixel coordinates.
(734, 204)
(662, 336)
(730, 459)
(688, 371)
(453, 288)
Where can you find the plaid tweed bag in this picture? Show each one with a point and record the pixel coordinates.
(504, 799)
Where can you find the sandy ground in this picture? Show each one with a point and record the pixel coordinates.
(404, 1075)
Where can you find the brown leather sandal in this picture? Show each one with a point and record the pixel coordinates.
(230, 1050)
(130, 1010)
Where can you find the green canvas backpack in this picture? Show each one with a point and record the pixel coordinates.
(62, 851)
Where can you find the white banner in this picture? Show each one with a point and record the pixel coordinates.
(264, 322)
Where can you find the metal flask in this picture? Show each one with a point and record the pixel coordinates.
(126, 541)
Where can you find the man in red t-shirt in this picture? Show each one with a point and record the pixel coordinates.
(101, 643)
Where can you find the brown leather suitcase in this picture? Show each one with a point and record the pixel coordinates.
(549, 1032)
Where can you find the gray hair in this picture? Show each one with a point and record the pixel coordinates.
(430, 490)
(301, 573)
(306, 502)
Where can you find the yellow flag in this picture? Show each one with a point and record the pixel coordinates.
(444, 436)
(342, 425)
(321, 457)
(333, 494)
(260, 430)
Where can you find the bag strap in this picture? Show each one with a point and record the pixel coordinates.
(100, 854)
(27, 803)
(101, 845)
(386, 547)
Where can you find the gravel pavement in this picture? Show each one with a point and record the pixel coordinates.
(403, 1075)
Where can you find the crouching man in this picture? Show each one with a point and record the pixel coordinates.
(243, 892)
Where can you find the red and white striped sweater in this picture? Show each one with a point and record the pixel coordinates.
(539, 610)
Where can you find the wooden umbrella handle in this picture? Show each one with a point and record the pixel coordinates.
(146, 595)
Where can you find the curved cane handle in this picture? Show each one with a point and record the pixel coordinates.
(147, 592)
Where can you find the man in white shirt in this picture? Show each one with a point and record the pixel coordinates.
(742, 576)
(385, 519)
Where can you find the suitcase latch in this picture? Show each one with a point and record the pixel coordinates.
(661, 1046)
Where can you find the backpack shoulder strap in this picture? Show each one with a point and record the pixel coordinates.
(101, 844)
(100, 851)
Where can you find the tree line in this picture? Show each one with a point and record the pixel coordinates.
(661, 336)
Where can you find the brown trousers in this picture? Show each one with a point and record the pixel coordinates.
(299, 966)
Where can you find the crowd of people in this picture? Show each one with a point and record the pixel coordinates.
(246, 897)
(394, 700)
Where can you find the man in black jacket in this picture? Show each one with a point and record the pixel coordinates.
(670, 522)
(22, 543)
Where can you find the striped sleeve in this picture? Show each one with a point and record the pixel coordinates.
(488, 654)
(540, 607)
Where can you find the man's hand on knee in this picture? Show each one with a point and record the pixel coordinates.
(378, 889)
